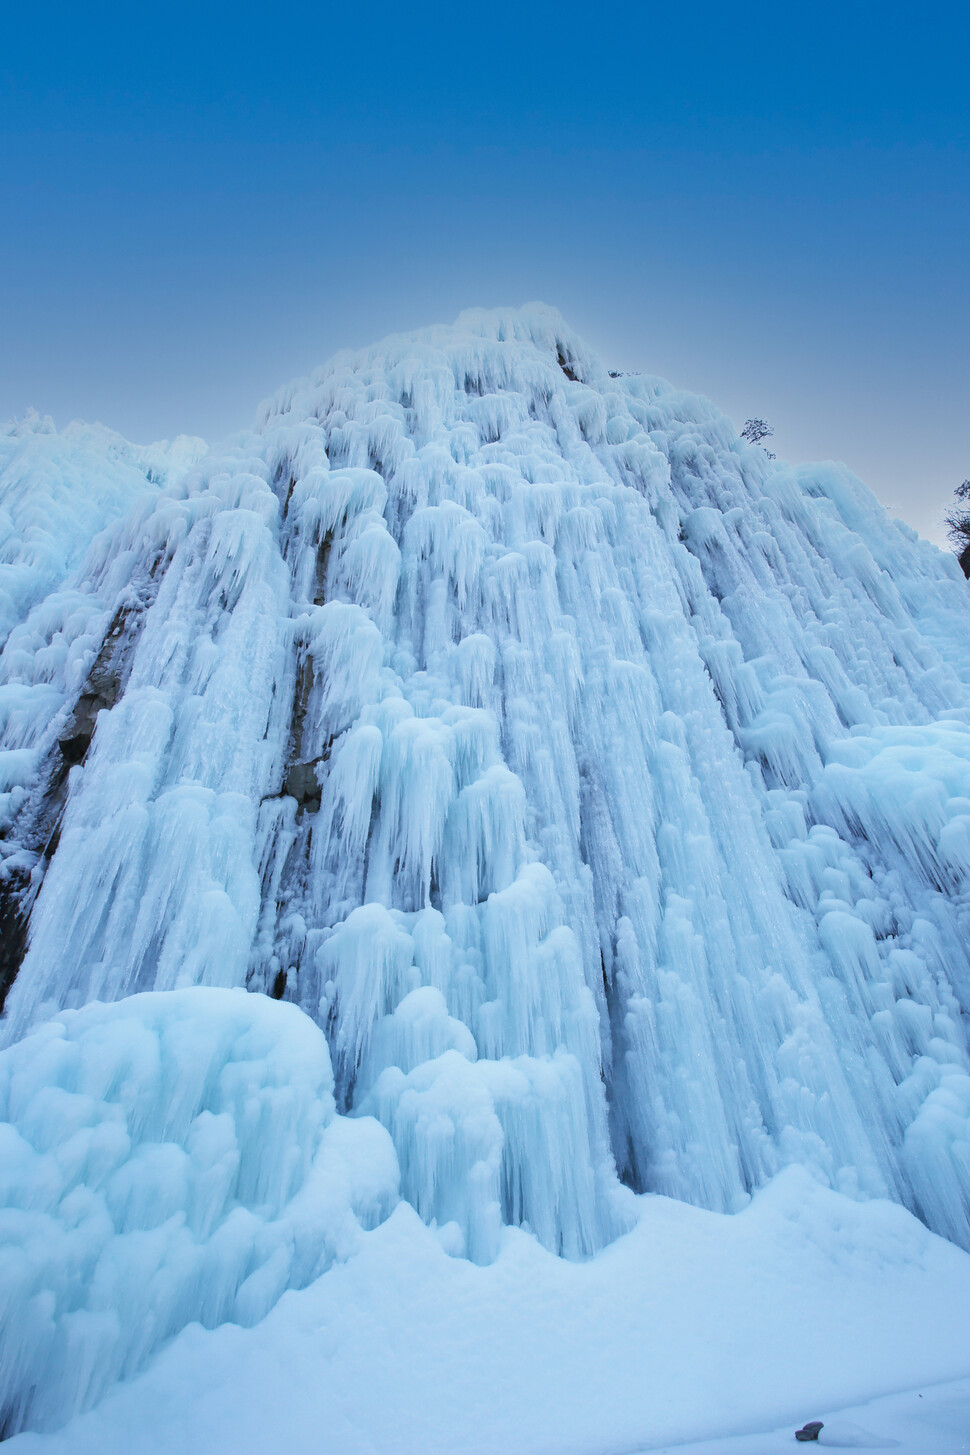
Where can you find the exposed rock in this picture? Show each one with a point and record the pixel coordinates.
(301, 783)
(80, 729)
(14, 918)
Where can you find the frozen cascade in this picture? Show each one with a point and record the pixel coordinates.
(599, 786)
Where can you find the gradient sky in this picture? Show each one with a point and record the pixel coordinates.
(765, 203)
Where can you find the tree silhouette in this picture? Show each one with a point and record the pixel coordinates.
(957, 520)
(756, 430)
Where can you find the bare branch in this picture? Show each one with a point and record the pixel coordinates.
(756, 430)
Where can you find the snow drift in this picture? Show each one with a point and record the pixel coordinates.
(599, 787)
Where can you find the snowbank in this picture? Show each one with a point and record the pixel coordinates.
(694, 1324)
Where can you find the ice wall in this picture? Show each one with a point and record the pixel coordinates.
(71, 592)
(600, 786)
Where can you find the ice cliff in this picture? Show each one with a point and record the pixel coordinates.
(597, 786)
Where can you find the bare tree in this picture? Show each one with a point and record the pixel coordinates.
(957, 520)
(756, 430)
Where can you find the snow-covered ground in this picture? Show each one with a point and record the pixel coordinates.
(693, 1325)
(930, 1421)
(594, 792)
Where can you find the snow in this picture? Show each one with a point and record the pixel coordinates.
(694, 1325)
(595, 792)
(929, 1421)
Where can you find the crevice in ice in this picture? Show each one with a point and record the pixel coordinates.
(322, 563)
(105, 683)
(15, 902)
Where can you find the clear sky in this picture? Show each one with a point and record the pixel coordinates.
(769, 204)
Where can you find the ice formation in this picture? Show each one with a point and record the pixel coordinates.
(171, 1157)
(600, 787)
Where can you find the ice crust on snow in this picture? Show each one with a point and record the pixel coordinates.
(173, 1157)
(600, 787)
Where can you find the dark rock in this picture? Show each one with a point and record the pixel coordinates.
(301, 697)
(80, 730)
(323, 561)
(103, 687)
(809, 1431)
(301, 783)
(14, 919)
(567, 366)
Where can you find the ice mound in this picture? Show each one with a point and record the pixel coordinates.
(171, 1158)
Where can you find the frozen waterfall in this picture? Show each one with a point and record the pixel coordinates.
(598, 786)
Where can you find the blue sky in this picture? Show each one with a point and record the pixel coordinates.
(768, 204)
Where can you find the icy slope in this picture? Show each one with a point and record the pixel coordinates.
(599, 786)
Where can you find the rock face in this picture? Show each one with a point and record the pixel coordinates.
(599, 786)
